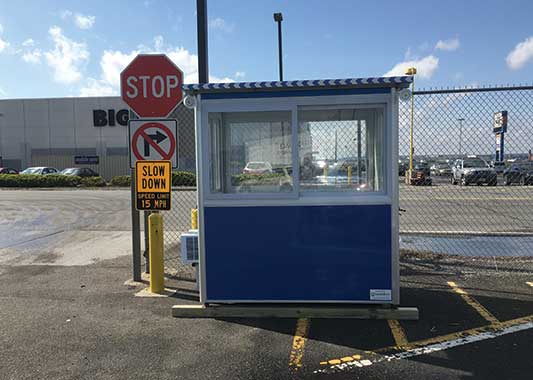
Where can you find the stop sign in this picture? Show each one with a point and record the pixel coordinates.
(151, 85)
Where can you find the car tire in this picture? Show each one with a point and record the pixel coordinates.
(506, 182)
(454, 182)
(463, 182)
(522, 181)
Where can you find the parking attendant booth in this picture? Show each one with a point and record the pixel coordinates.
(298, 190)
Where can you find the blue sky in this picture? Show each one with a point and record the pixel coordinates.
(71, 48)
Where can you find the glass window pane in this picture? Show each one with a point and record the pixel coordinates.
(341, 149)
(250, 152)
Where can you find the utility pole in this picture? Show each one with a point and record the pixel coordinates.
(278, 17)
(201, 23)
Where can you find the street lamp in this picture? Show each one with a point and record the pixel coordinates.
(460, 120)
(411, 71)
(278, 17)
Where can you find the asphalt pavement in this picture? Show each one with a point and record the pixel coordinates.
(68, 318)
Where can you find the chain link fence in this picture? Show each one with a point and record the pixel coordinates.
(479, 205)
(461, 201)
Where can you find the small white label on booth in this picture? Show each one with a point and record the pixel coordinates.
(380, 295)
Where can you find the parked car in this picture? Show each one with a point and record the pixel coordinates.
(473, 170)
(257, 167)
(80, 172)
(420, 177)
(8, 171)
(499, 166)
(422, 167)
(42, 170)
(441, 169)
(521, 173)
(402, 168)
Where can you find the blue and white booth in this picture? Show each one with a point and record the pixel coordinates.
(298, 190)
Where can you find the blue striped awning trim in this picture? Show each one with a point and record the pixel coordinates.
(402, 81)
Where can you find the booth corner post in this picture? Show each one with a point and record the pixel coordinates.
(411, 71)
(157, 270)
(201, 23)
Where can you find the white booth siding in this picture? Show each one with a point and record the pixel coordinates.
(50, 132)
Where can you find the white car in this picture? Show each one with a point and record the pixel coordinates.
(42, 170)
(257, 167)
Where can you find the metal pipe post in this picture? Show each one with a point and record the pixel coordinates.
(135, 233)
(157, 270)
(201, 24)
(280, 52)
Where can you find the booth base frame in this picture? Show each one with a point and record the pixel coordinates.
(292, 311)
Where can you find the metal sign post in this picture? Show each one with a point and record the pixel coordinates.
(151, 86)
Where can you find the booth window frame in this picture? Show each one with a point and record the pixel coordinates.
(293, 104)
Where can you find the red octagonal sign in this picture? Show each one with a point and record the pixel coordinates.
(151, 85)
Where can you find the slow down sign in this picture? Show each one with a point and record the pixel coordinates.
(153, 185)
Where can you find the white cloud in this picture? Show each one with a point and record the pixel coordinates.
(67, 58)
(448, 45)
(28, 42)
(240, 74)
(521, 54)
(221, 24)
(114, 61)
(3, 45)
(425, 67)
(84, 21)
(33, 56)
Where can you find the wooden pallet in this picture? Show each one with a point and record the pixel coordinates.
(288, 311)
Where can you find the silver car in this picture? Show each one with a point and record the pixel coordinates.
(473, 170)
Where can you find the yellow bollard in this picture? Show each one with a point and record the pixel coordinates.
(156, 248)
(325, 171)
(349, 175)
(194, 219)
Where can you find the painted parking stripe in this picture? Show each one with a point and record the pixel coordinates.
(436, 344)
(473, 303)
(298, 344)
(397, 332)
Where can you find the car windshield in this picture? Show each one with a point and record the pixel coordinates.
(474, 163)
(30, 171)
(68, 171)
(256, 165)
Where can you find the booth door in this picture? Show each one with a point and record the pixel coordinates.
(321, 235)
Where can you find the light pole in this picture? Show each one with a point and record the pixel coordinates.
(278, 17)
(460, 120)
(411, 71)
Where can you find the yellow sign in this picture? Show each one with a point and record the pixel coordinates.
(153, 185)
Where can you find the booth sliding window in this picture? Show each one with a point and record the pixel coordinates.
(250, 152)
(341, 149)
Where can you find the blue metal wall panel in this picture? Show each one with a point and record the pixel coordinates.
(297, 253)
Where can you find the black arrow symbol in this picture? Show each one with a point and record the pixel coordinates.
(157, 138)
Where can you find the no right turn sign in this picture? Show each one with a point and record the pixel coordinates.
(153, 140)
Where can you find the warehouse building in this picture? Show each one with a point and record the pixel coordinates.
(71, 132)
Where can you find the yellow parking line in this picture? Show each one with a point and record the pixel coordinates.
(530, 283)
(473, 303)
(397, 333)
(438, 339)
(298, 344)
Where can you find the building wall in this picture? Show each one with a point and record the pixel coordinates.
(39, 132)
